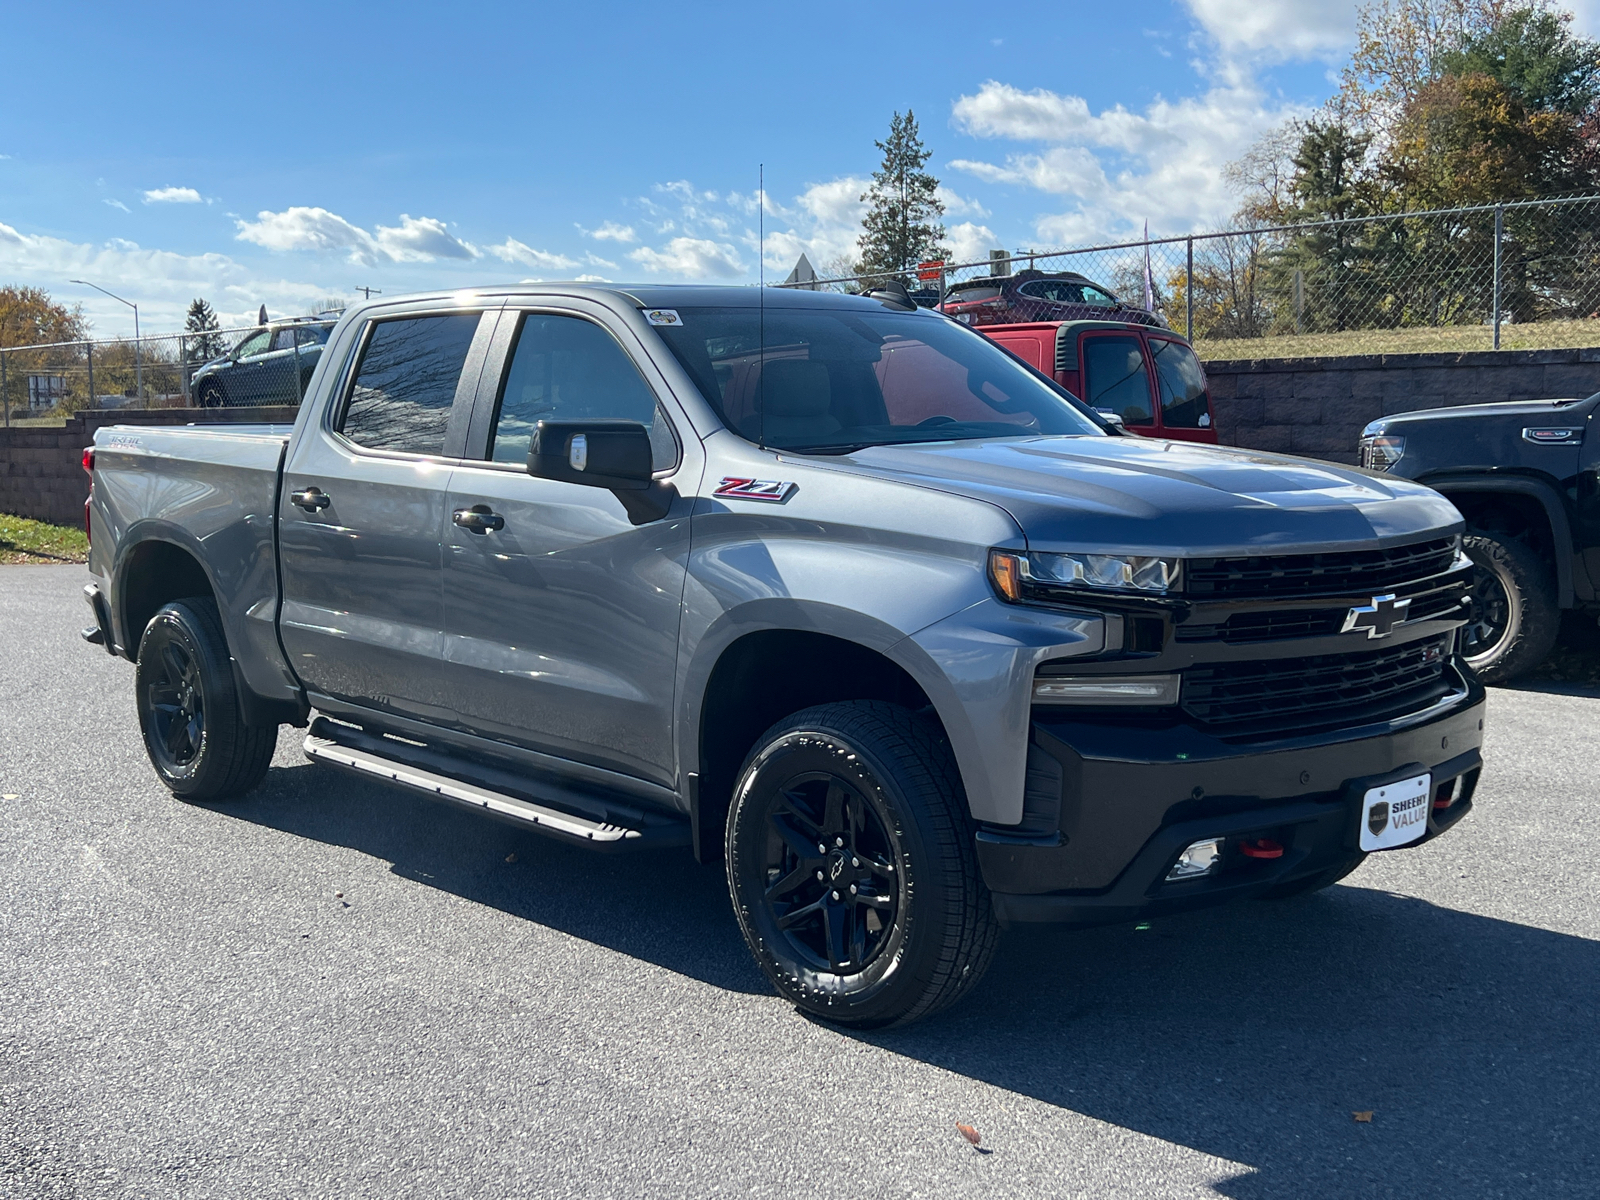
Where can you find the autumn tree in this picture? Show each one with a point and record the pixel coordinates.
(902, 226)
(29, 317)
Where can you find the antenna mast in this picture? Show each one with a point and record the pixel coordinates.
(761, 306)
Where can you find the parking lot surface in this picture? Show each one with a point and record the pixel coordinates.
(330, 989)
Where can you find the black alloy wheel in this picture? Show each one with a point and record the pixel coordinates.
(175, 701)
(188, 705)
(1515, 618)
(852, 865)
(212, 395)
(833, 888)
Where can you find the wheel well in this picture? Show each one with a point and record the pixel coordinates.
(762, 678)
(1507, 514)
(157, 573)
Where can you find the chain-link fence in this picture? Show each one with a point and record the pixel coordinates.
(1523, 274)
(257, 365)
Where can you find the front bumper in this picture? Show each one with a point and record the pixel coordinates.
(1131, 800)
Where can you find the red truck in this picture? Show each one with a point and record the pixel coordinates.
(1150, 378)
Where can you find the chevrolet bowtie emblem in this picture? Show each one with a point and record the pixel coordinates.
(1378, 618)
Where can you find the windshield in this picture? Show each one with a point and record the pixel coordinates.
(839, 380)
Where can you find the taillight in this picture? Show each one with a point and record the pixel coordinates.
(88, 467)
(88, 459)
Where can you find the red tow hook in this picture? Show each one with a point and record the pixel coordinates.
(1260, 848)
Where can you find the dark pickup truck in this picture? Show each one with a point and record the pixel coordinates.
(830, 587)
(1526, 476)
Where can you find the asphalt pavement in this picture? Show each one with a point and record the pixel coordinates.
(330, 989)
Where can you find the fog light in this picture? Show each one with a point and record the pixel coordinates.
(1197, 859)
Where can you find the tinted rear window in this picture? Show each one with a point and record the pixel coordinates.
(406, 383)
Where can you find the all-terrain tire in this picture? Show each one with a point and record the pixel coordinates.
(188, 707)
(1516, 617)
(1315, 883)
(859, 795)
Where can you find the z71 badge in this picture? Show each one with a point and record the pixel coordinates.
(774, 491)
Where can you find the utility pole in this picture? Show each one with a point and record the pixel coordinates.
(368, 293)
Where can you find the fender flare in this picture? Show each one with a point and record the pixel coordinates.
(1549, 499)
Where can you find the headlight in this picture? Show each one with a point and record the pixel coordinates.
(1125, 574)
(1381, 452)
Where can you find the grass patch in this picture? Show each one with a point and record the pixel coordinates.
(25, 541)
(1446, 339)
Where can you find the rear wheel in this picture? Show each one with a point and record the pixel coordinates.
(1515, 617)
(852, 867)
(211, 395)
(189, 707)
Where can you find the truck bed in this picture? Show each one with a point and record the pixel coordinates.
(213, 490)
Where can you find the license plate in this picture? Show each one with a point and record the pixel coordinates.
(1395, 813)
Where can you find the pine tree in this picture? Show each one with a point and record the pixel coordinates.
(902, 225)
(202, 321)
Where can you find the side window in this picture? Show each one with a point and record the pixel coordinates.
(312, 335)
(255, 343)
(1115, 378)
(570, 369)
(1182, 384)
(406, 383)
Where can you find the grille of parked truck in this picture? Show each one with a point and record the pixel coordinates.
(828, 587)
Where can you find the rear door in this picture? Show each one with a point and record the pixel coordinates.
(1181, 388)
(363, 513)
(1116, 377)
(561, 625)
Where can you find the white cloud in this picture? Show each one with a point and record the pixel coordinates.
(956, 205)
(421, 239)
(969, 242)
(116, 204)
(1120, 167)
(1277, 29)
(611, 232)
(592, 279)
(513, 251)
(691, 258)
(160, 281)
(172, 195)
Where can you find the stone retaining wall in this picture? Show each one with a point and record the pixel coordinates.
(41, 467)
(1317, 406)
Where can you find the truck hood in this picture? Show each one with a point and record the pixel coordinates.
(1512, 408)
(1172, 498)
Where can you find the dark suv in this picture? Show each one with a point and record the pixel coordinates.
(1037, 296)
(271, 365)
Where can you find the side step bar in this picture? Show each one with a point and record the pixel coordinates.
(419, 769)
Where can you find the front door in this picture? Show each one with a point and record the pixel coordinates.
(1116, 378)
(561, 625)
(363, 515)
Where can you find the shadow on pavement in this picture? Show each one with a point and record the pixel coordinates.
(1250, 1033)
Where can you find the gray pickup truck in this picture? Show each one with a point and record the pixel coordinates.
(828, 587)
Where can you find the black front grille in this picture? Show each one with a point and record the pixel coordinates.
(1347, 572)
(1276, 626)
(1306, 694)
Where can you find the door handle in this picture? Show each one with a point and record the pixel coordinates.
(310, 499)
(478, 519)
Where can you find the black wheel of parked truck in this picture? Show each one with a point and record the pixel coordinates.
(852, 868)
(1515, 617)
(189, 707)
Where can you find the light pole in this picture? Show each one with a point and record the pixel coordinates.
(138, 355)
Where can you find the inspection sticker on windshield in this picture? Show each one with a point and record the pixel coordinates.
(774, 491)
(1395, 813)
(662, 316)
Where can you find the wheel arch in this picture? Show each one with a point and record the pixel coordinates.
(156, 565)
(1531, 505)
(761, 676)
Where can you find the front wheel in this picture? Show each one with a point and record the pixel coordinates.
(189, 707)
(1515, 617)
(852, 868)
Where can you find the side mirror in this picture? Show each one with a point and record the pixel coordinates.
(1112, 419)
(614, 455)
(608, 454)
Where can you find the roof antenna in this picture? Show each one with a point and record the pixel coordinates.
(761, 307)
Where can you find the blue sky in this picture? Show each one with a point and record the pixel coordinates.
(283, 155)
